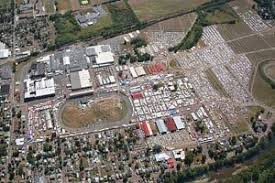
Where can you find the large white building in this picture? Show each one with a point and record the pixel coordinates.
(4, 53)
(80, 80)
(39, 88)
(101, 55)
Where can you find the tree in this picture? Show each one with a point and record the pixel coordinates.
(273, 128)
(189, 158)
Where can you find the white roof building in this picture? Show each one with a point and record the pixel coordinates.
(140, 71)
(179, 154)
(162, 157)
(39, 88)
(4, 53)
(102, 53)
(20, 141)
(133, 72)
(80, 80)
(179, 124)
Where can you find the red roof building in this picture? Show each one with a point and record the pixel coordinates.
(146, 128)
(171, 163)
(170, 123)
(136, 95)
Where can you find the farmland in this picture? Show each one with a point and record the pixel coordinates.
(108, 110)
(151, 9)
(248, 44)
(178, 24)
(233, 31)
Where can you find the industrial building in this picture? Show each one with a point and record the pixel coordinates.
(146, 128)
(161, 126)
(80, 80)
(178, 122)
(4, 53)
(100, 55)
(170, 124)
(38, 88)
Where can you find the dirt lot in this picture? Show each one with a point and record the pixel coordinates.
(178, 24)
(63, 5)
(150, 9)
(109, 109)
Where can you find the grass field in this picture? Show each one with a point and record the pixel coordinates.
(262, 90)
(221, 16)
(5, 4)
(109, 110)
(178, 24)
(49, 6)
(150, 9)
(216, 84)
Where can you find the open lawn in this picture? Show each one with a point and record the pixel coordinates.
(5, 4)
(49, 6)
(222, 15)
(179, 24)
(108, 110)
(151, 9)
(263, 91)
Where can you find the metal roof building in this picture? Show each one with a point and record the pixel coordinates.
(170, 124)
(179, 124)
(39, 88)
(146, 128)
(140, 71)
(80, 80)
(4, 53)
(161, 126)
(102, 54)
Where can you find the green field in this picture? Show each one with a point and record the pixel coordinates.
(5, 4)
(151, 9)
(221, 16)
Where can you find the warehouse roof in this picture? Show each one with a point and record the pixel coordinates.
(170, 124)
(102, 53)
(39, 88)
(4, 53)
(80, 80)
(146, 128)
(161, 126)
(179, 124)
(140, 71)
